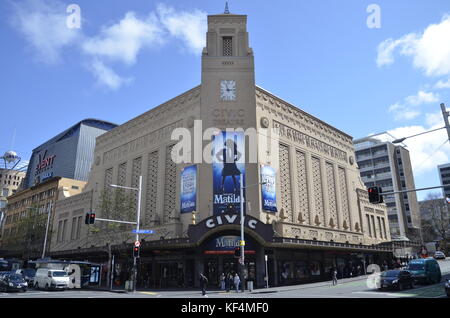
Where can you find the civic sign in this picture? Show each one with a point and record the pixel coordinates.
(137, 243)
(143, 231)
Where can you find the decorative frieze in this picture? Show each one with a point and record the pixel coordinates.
(285, 182)
(302, 188)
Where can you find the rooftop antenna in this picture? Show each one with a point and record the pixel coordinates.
(226, 8)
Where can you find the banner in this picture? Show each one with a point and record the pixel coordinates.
(268, 190)
(228, 165)
(188, 190)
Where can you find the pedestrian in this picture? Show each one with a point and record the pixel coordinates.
(229, 282)
(222, 281)
(237, 281)
(203, 283)
(334, 276)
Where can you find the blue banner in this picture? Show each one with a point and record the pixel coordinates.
(228, 165)
(268, 190)
(188, 190)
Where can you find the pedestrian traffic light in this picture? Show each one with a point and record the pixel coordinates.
(375, 195)
(237, 252)
(86, 220)
(91, 218)
(135, 251)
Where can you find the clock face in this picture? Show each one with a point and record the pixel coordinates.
(228, 90)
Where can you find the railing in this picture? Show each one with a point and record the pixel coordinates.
(331, 244)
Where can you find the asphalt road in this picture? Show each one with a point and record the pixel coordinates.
(347, 288)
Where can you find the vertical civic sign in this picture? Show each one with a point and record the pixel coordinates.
(188, 191)
(228, 164)
(268, 190)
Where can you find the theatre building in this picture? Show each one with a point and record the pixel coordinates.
(306, 208)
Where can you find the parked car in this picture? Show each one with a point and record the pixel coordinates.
(447, 287)
(439, 255)
(397, 279)
(13, 282)
(425, 270)
(28, 274)
(51, 279)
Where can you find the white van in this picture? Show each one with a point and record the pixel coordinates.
(49, 278)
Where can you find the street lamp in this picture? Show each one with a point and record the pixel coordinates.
(138, 216)
(242, 242)
(397, 141)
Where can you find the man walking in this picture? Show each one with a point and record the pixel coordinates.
(334, 276)
(203, 283)
(237, 281)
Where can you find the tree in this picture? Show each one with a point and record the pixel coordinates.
(118, 205)
(436, 220)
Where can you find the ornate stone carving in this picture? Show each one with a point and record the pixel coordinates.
(285, 181)
(332, 210)
(169, 185)
(317, 191)
(152, 188)
(302, 187)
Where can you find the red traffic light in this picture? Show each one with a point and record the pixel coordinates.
(92, 218)
(135, 251)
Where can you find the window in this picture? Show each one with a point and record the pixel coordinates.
(227, 46)
(374, 228)
(368, 225)
(73, 229)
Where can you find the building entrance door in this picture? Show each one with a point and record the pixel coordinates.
(212, 271)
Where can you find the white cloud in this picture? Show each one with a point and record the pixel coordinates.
(43, 24)
(430, 50)
(124, 40)
(190, 27)
(106, 76)
(422, 97)
(408, 109)
(442, 84)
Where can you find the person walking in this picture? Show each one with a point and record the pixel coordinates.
(334, 276)
(203, 283)
(237, 281)
(222, 281)
(229, 282)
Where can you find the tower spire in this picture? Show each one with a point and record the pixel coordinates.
(226, 8)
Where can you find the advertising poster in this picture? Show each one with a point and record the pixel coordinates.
(268, 190)
(228, 164)
(188, 190)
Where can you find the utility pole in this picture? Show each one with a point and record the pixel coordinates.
(445, 114)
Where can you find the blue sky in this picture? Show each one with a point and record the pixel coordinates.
(129, 56)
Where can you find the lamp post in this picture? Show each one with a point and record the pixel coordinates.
(242, 242)
(138, 216)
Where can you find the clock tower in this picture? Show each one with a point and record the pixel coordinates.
(228, 97)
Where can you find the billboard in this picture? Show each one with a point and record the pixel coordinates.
(228, 165)
(268, 190)
(188, 189)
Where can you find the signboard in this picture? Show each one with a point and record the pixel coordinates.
(143, 232)
(226, 245)
(268, 190)
(188, 190)
(228, 165)
(137, 243)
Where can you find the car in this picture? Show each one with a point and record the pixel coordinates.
(49, 278)
(447, 287)
(28, 274)
(425, 270)
(13, 282)
(396, 279)
(439, 255)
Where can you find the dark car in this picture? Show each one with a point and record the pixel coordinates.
(396, 279)
(28, 274)
(447, 287)
(13, 282)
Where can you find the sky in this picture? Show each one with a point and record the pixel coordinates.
(364, 67)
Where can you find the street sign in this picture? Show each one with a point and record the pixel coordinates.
(143, 231)
(137, 243)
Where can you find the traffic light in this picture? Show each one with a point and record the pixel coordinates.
(86, 220)
(237, 252)
(92, 218)
(375, 195)
(135, 251)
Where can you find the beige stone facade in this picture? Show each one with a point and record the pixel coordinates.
(320, 196)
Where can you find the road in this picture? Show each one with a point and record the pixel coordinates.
(348, 288)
